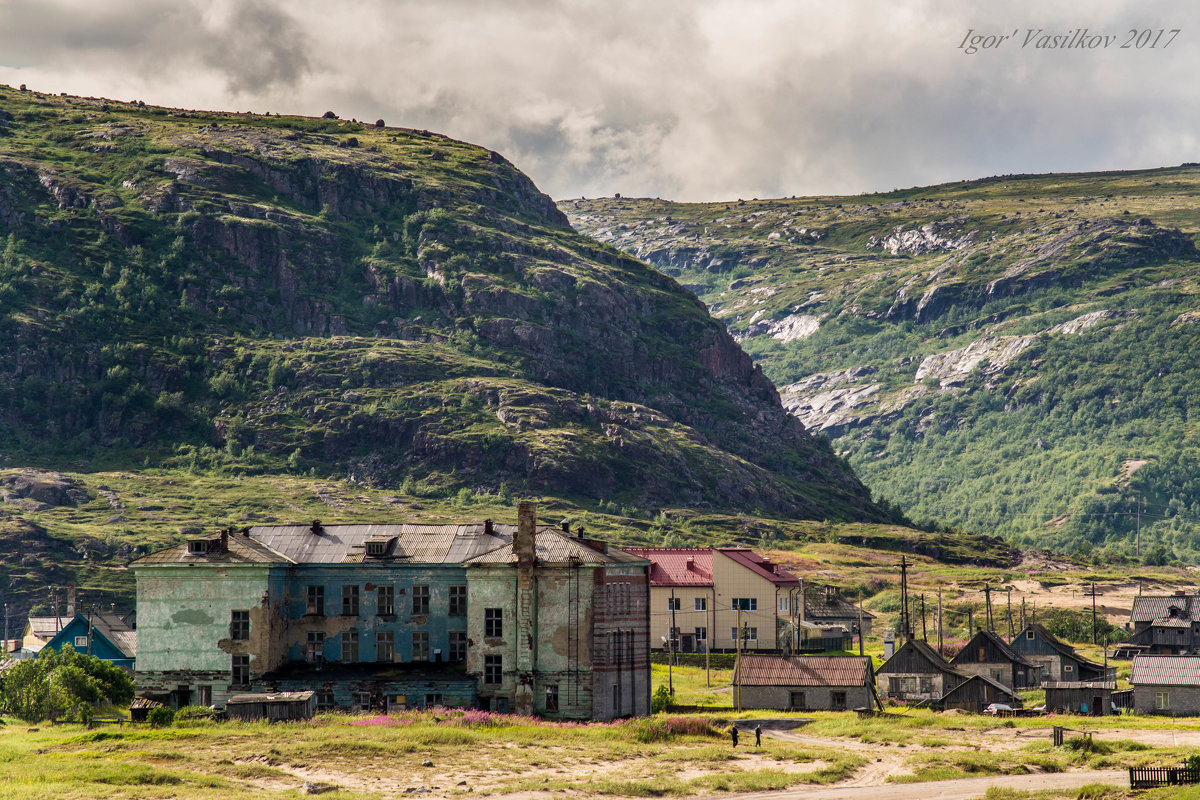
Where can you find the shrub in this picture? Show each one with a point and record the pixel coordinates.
(329, 115)
(160, 717)
(195, 713)
(661, 700)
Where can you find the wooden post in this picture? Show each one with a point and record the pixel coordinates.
(924, 632)
(939, 621)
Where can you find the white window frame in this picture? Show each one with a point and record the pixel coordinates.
(700, 604)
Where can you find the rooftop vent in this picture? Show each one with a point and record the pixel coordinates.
(315, 528)
(378, 547)
(565, 525)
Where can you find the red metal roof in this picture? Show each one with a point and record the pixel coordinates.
(760, 566)
(756, 670)
(677, 566)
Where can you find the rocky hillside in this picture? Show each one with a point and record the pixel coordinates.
(1012, 355)
(259, 293)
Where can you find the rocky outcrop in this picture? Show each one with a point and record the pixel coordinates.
(929, 238)
(990, 354)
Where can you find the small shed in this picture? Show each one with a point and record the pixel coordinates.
(139, 709)
(797, 683)
(277, 707)
(977, 693)
(1094, 698)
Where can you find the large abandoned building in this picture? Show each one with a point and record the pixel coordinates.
(524, 618)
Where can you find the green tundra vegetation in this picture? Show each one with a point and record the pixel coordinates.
(1013, 356)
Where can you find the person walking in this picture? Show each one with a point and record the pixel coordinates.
(733, 733)
(758, 735)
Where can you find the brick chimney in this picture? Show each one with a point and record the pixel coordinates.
(224, 540)
(524, 545)
(525, 549)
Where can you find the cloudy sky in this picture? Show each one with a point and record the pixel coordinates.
(683, 99)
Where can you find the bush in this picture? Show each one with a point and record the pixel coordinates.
(58, 683)
(195, 713)
(661, 700)
(160, 717)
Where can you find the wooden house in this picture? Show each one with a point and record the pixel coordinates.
(1166, 624)
(1059, 661)
(989, 655)
(1166, 684)
(826, 607)
(805, 683)
(281, 707)
(916, 674)
(1094, 698)
(977, 693)
(105, 636)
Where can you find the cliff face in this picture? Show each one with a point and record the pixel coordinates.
(259, 293)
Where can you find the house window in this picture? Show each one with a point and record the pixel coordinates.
(239, 625)
(240, 673)
(673, 604)
(80, 641)
(316, 601)
(700, 604)
(385, 601)
(198, 547)
(384, 645)
(350, 600)
(420, 600)
(1067, 668)
(797, 700)
(748, 633)
(1029, 635)
(493, 670)
(493, 623)
(433, 699)
(204, 695)
(982, 655)
(785, 604)
(458, 645)
(552, 698)
(362, 701)
(377, 548)
(925, 685)
(324, 700)
(745, 603)
(349, 645)
(838, 701)
(893, 686)
(458, 601)
(701, 634)
(314, 651)
(420, 650)
(1162, 701)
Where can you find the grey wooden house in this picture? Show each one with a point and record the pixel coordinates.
(990, 656)
(1166, 624)
(977, 693)
(1165, 684)
(916, 674)
(1094, 698)
(805, 683)
(1059, 661)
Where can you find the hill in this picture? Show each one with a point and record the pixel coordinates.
(1012, 356)
(190, 294)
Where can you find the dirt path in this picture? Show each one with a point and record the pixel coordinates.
(961, 789)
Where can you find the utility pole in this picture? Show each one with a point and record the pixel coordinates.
(987, 602)
(924, 632)
(970, 622)
(1022, 613)
(671, 645)
(905, 619)
(737, 660)
(1008, 600)
(6, 628)
(1093, 613)
(1138, 550)
(860, 627)
(939, 621)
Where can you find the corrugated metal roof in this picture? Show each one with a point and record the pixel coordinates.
(1010, 654)
(1171, 622)
(276, 697)
(241, 550)
(764, 670)
(1110, 685)
(1149, 607)
(933, 657)
(677, 566)
(555, 547)
(1000, 687)
(760, 566)
(415, 544)
(111, 626)
(830, 605)
(1166, 670)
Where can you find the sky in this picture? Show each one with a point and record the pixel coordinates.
(688, 100)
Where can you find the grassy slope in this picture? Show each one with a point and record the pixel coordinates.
(1036, 449)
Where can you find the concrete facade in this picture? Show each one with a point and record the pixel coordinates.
(814, 698)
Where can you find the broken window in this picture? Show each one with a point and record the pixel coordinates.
(239, 625)
(552, 698)
(350, 600)
(198, 547)
(433, 699)
(314, 651)
(458, 601)
(362, 701)
(386, 600)
(420, 600)
(838, 701)
(493, 623)
(458, 645)
(493, 669)
(349, 645)
(797, 700)
(384, 646)
(204, 695)
(420, 649)
(240, 673)
(324, 700)
(316, 601)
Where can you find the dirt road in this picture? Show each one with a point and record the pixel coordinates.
(961, 789)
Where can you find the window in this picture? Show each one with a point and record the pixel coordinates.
(362, 701)
(204, 695)
(458, 601)
(314, 651)
(785, 603)
(996, 675)
(893, 685)
(493, 623)
(420, 646)
(420, 600)
(350, 600)
(384, 645)
(80, 641)
(377, 548)
(701, 634)
(493, 669)
(982, 655)
(458, 645)
(797, 700)
(745, 603)
(239, 625)
(433, 699)
(385, 601)
(198, 547)
(700, 604)
(1162, 701)
(672, 604)
(324, 700)
(552, 698)
(925, 685)
(1029, 635)
(316, 601)
(838, 701)
(241, 671)
(1068, 668)
(349, 645)
(749, 633)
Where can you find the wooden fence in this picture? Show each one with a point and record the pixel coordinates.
(1153, 777)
